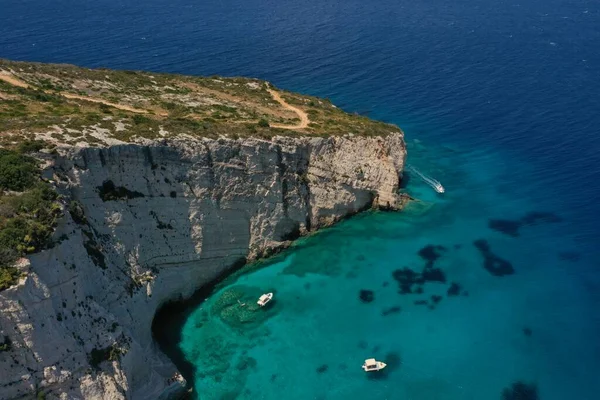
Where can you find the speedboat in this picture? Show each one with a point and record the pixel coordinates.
(373, 365)
(264, 299)
(439, 188)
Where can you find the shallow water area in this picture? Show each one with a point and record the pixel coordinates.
(459, 307)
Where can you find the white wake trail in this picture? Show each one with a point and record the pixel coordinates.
(435, 184)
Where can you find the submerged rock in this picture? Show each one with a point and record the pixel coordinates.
(491, 262)
(366, 296)
(323, 368)
(512, 227)
(454, 289)
(431, 253)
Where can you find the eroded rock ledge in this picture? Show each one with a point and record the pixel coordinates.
(152, 223)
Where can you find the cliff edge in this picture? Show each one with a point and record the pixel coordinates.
(148, 220)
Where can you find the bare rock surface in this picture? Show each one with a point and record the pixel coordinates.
(149, 223)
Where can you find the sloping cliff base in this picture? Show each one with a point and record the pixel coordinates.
(152, 221)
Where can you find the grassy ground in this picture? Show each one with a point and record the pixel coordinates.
(169, 105)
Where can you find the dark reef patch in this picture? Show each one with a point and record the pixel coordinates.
(435, 299)
(323, 368)
(508, 227)
(512, 227)
(492, 263)
(366, 296)
(406, 278)
(520, 391)
(454, 289)
(420, 302)
(527, 331)
(391, 310)
(431, 253)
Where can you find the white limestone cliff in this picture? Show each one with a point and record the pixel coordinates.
(152, 223)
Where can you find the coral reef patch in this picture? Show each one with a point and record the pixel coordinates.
(491, 262)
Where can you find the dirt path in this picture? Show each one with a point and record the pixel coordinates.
(304, 121)
(11, 79)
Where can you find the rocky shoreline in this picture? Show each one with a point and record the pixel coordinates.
(148, 224)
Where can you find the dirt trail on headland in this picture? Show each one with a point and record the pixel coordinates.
(11, 79)
(304, 121)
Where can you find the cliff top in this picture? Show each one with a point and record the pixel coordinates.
(65, 104)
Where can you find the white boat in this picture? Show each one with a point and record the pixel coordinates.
(436, 185)
(264, 299)
(373, 365)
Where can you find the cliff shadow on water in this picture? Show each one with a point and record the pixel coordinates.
(170, 318)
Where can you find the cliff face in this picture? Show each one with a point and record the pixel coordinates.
(152, 223)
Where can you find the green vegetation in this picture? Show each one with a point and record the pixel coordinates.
(30, 146)
(171, 105)
(28, 210)
(17, 172)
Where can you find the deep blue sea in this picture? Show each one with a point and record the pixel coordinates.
(499, 100)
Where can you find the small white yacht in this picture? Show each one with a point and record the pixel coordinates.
(435, 185)
(264, 299)
(373, 365)
(439, 188)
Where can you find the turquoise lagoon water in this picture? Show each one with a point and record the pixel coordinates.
(339, 299)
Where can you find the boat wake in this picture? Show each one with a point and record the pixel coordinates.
(436, 185)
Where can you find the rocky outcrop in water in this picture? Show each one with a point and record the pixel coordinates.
(146, 224)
